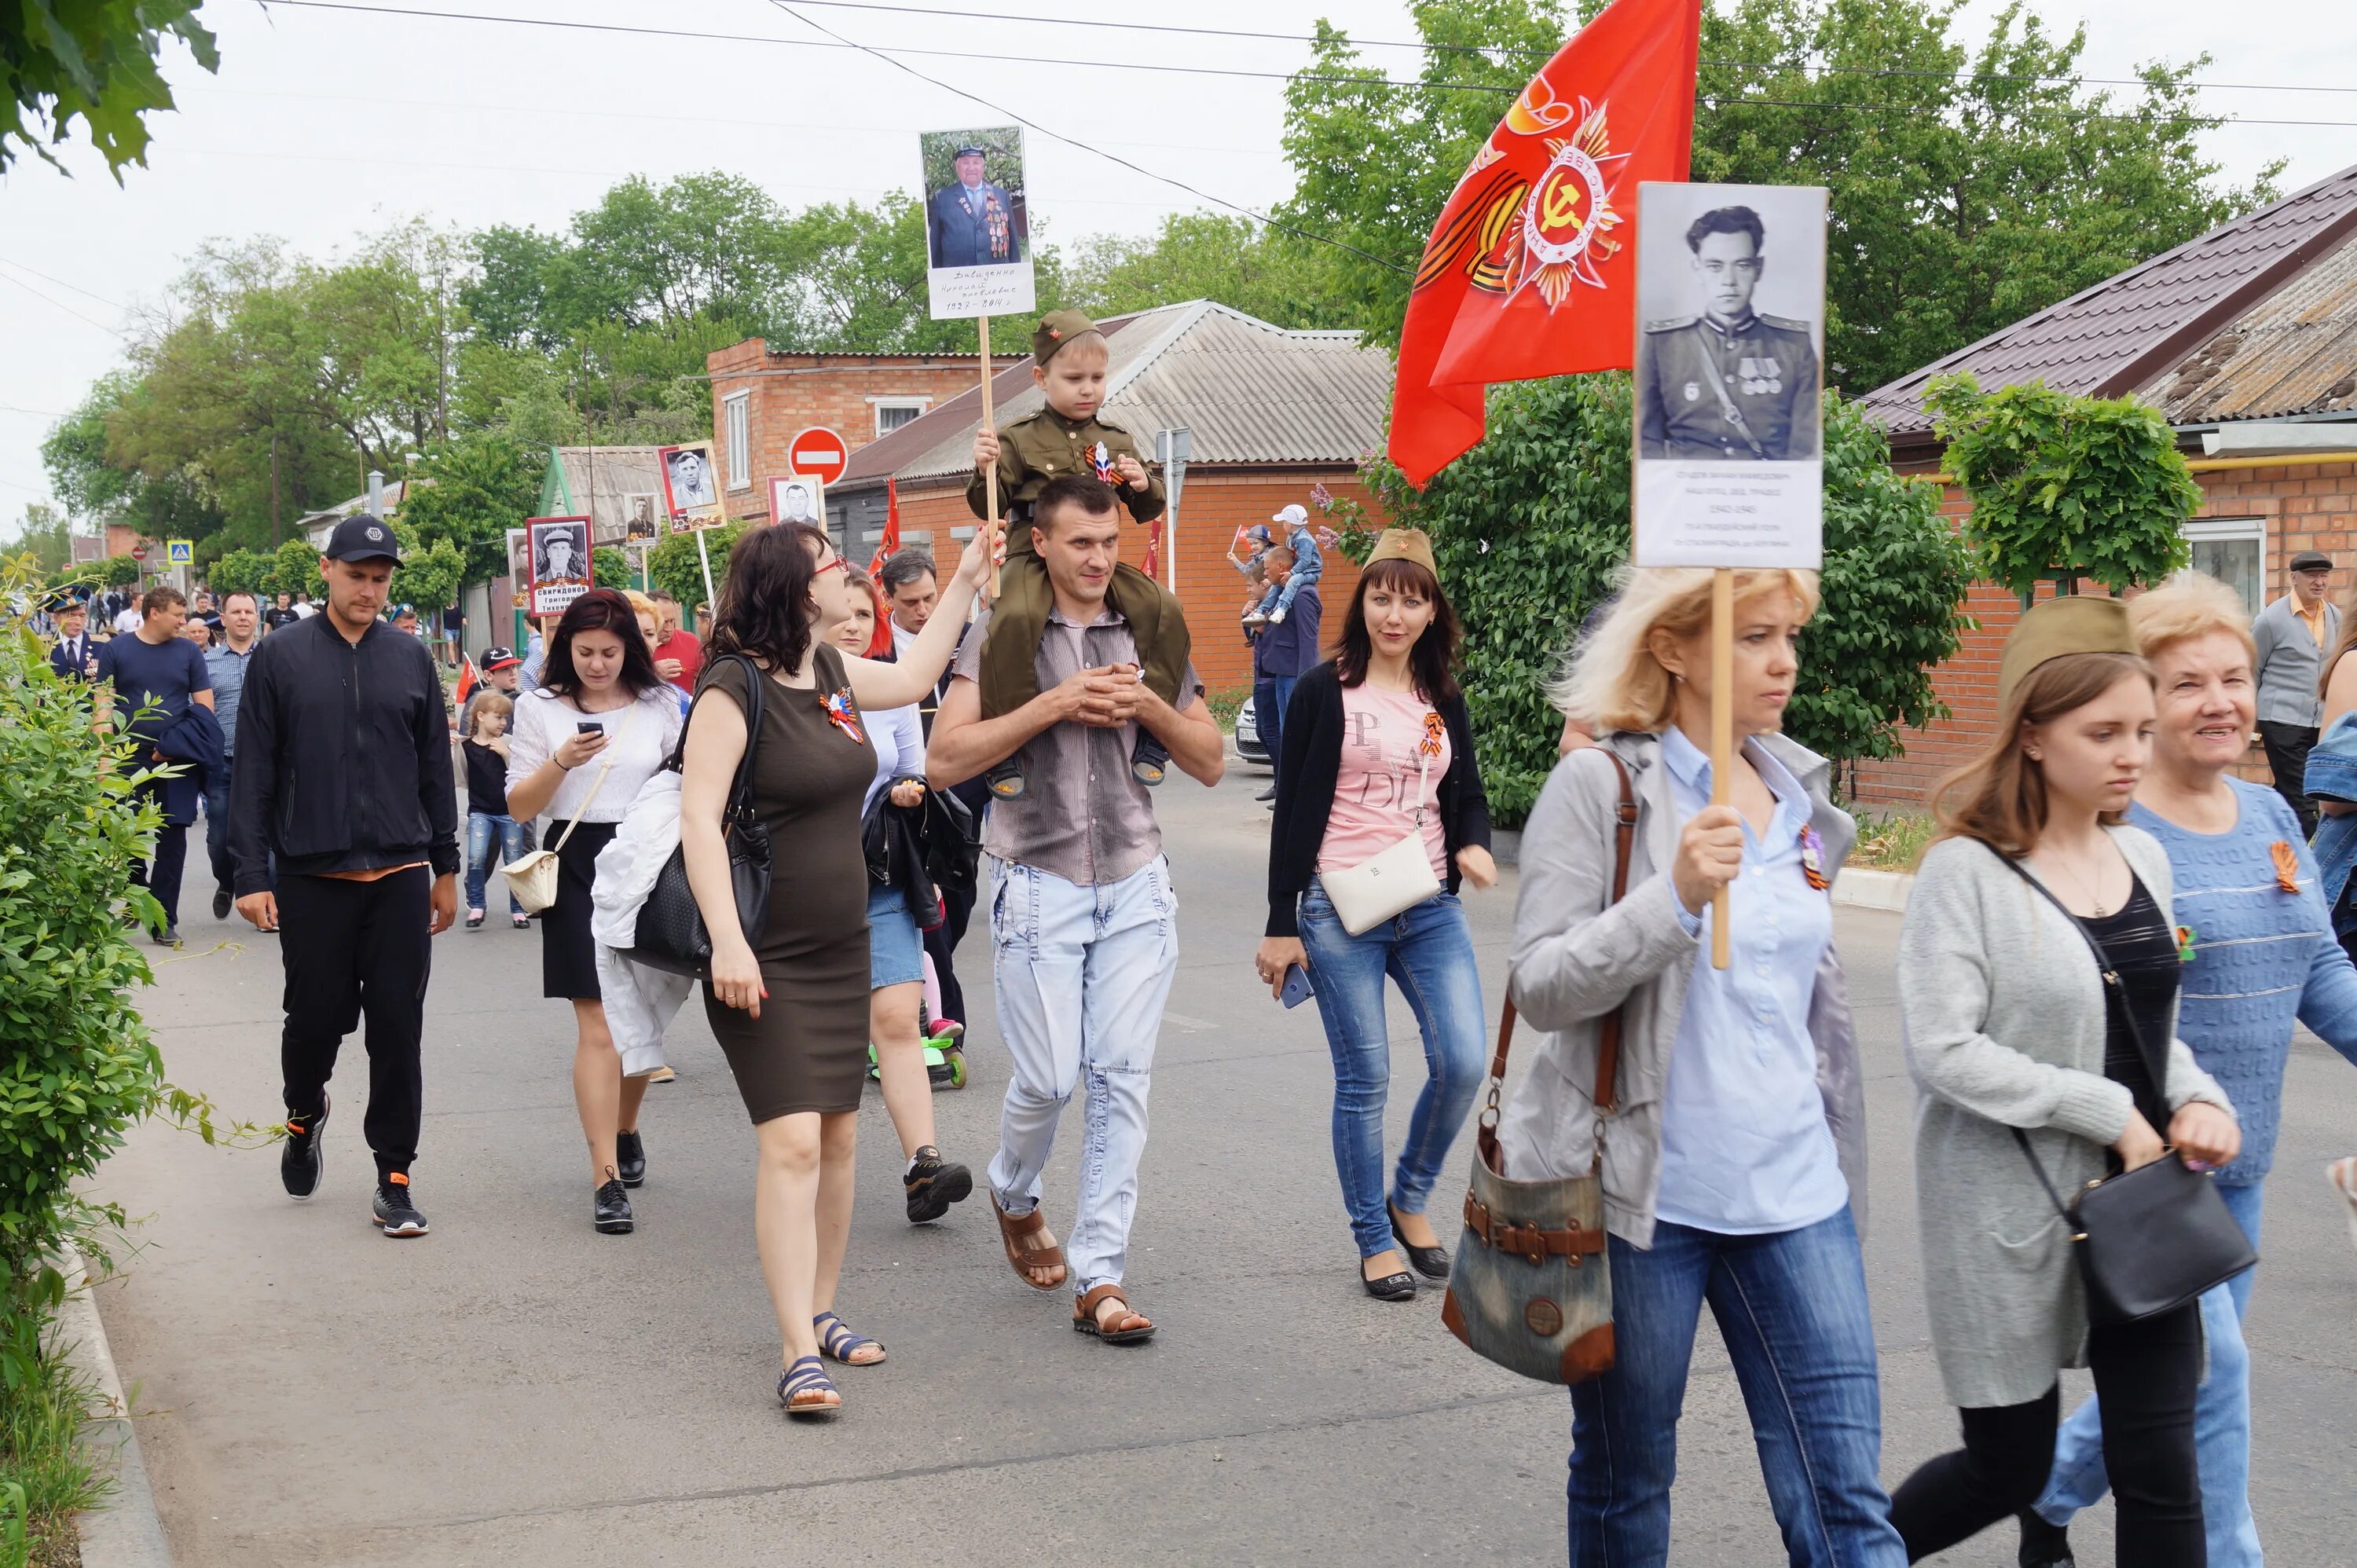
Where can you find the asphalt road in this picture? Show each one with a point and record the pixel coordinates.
(516, 1389)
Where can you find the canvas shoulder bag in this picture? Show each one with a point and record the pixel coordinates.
(1531, 1288)
(532, 878)
(2149, 1239)
(1397, 876)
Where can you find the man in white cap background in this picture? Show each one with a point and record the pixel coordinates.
(1309, 565)
(2294, 636)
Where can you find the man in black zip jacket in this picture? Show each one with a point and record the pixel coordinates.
(348, 783)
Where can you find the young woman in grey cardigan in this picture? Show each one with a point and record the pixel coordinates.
(1735, 1160)
(2010, 1024)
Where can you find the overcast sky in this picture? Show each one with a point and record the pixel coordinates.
(326, 124)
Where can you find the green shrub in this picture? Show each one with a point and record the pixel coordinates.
(240, 571)
(611, 568)
(295, 569)
(676, 569)
(118, 571)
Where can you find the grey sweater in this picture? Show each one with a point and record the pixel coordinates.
(1576, 956)
(2288, 664)
(2003, 1011)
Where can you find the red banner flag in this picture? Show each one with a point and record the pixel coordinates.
(891, 544)
(1524, 275)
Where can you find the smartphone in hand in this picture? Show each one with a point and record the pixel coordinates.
(1298, 988)
(589, 726)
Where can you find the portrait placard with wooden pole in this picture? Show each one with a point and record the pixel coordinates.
(1729, 460)
(978, 245)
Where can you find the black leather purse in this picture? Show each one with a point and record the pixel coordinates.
(2149, 1239)
(670, 933)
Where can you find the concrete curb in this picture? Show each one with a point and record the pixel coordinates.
(1874, 889)
(126, 1532)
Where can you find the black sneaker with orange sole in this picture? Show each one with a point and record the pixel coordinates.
(395, 1210)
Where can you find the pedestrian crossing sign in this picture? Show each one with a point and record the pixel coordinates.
(181, 551)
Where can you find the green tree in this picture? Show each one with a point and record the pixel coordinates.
(678, 569)
(92, 60)
(429, 577)
(2064, 485)
(468, 492)
(44, 535)
(1530, 527)
(1260, 271)
(611, 567)
(295, 569)
(241, 571)
(1971, 182)
(118, 571)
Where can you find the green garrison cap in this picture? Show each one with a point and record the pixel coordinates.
(2075, 623)
(1057, 329)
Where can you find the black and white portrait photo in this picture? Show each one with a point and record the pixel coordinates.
(1729, 385)
(560, 552)
(638, 513)
(688, 486)
(1729, 316)
(793, 498)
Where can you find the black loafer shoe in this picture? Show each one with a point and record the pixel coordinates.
(222, 901)
(1400, 1286)
(631, 1159)
(1432, 1262)
(2043, 1545)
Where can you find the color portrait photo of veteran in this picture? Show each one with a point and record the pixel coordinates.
(972, 222)
(1726, 381)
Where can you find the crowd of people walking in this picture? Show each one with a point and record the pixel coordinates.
(2104, 958)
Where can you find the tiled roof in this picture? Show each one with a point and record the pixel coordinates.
(2130, 332)
(1250, 393)
(2294, 352)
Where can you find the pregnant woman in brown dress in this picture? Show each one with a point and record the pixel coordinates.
(790, 1002)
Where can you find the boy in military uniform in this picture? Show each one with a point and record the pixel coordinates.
(1727, 384)
(1068, 359)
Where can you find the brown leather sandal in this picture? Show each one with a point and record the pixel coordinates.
(1130, 1328)
(1012, 1229)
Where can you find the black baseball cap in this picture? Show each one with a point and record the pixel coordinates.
(362, 538)
(2311, 561)
(499, 658)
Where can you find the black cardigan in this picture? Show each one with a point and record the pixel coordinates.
(1305, 775)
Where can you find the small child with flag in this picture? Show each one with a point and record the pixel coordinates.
(1070, 359)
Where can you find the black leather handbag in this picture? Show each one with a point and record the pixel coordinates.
(670, 933)
(2149, 1239)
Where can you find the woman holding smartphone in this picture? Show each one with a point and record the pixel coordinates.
(1377, 747)
(2016, 1030)
(600, 723)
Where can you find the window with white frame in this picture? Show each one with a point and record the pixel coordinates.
(737, 417)
(891, 412)
(2234, 550)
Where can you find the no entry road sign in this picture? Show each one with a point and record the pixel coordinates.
(819, 453)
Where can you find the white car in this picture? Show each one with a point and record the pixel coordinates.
(1248, 742)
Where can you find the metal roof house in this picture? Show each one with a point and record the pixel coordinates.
(2246, 338)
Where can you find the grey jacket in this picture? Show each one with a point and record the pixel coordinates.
(2288, 664)
(1573, 959)
(2003, 1011)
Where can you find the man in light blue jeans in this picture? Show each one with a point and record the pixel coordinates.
(1083, 920)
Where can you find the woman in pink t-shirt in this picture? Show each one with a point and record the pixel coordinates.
(1376, 749)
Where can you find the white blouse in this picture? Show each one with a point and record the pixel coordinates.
(640, 738)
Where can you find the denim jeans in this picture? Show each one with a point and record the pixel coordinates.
(482, 831)
(1428, 952)
(2221, 1418)
(1082, 972)
(1791, 1307)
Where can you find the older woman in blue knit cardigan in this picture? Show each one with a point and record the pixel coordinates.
(2263, 956)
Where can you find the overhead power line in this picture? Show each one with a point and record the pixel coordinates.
(61, 305)
(891, 55)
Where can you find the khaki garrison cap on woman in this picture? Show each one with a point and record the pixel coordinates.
(2075, 623)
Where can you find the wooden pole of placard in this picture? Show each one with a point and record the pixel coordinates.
(704, 555)
(990, 480)
(1722, 736)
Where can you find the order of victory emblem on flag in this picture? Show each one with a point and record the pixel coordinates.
(1567, 216)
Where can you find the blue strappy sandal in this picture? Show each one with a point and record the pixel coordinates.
(804, 1389)
(837, 1340)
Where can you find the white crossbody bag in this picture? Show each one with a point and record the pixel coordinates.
(1398, 876)
(532, 878)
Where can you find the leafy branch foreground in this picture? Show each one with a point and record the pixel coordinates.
(78, 1067)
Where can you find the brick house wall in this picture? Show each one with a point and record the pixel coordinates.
(1212, 504)
(2304, 506)
(786, 394)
